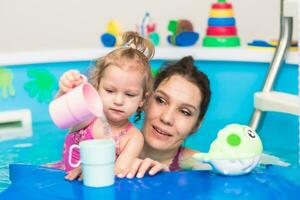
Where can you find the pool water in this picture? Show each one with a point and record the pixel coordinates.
(232, 83)
(46, 145)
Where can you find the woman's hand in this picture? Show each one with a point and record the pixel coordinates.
(141, 166)
(74, 174)
(69, 80)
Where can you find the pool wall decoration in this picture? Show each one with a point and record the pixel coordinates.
(6, 83)
(42, 85)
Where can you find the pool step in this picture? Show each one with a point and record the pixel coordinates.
(15, 124)
(277, 102)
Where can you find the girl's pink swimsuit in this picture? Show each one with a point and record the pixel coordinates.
(75, 138)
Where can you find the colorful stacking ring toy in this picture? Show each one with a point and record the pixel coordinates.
(221, 31)
(221, 21)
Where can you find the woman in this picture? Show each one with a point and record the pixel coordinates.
(181, 95)
(175, 110)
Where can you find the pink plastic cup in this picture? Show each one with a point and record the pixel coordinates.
(79, 104)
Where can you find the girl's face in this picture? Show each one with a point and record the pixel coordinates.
(121, 90)
(171, 113)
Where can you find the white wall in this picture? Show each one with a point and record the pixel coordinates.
(33, 25)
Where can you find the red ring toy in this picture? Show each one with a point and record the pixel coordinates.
(222, 6)
(221, 31)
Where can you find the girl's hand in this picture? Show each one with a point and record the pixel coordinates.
(140, 167)
(69, 80)
(74, 174)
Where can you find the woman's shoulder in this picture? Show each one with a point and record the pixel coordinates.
(187, 152)
(187, 160)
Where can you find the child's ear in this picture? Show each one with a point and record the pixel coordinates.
(141, 104)
(144, 100)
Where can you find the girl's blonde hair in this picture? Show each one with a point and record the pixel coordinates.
(136, 50)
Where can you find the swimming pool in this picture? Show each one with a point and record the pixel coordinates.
(233, 85)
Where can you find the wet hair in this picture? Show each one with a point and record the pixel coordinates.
(135, 50)
(186, 69)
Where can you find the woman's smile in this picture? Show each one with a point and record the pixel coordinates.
(160, 133)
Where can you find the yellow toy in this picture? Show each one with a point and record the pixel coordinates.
(113, 35)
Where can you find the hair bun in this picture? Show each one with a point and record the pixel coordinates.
(134, 40)
(187, 61)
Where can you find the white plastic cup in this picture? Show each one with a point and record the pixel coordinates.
(98, 161)
(78, 105)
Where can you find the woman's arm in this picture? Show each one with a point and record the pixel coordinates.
(186, 162)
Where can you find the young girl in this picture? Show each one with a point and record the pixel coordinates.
(123, 79)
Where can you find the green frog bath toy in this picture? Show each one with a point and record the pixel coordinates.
(235, 151)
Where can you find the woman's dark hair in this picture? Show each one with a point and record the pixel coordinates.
(186, 68)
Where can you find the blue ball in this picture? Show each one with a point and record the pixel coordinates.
(108, 40)
(184, 39)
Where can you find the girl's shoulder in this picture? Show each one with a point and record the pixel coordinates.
(134, 132)
(133, 137)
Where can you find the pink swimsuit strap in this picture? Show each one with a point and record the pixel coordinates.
(118, 136)
(85, 133)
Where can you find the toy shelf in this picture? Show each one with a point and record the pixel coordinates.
(242, 54)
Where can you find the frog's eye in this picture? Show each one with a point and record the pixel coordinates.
(233, 139)
(250, 133)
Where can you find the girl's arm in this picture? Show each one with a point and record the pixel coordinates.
(68, 81)
(79, 126)
(129, 152)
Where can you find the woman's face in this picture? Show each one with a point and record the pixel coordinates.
(171, 113)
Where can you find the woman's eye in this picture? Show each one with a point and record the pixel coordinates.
(159, 100)
(186, 113)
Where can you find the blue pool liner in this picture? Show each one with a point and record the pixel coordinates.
(34, 182)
